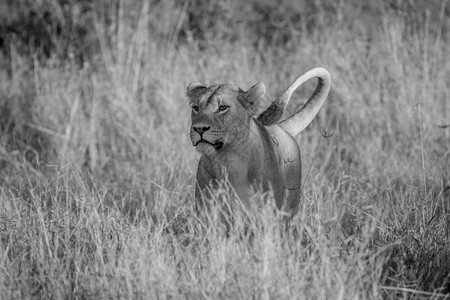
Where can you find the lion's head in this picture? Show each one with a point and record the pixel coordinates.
(220, 115)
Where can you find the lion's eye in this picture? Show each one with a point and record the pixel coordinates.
(223, 108)
(195, 108)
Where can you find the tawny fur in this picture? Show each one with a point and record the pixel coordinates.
(251, 150)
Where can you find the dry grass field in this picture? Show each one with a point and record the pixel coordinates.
(97, 172)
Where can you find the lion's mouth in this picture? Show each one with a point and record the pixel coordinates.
(218, 144)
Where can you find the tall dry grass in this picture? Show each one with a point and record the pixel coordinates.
(97, 172)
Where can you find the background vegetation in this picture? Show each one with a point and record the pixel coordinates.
(97, 172)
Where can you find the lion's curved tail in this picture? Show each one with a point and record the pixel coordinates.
(296, 123)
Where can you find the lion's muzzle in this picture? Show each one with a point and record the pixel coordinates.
(203, 134)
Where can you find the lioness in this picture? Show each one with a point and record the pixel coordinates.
(252, 150)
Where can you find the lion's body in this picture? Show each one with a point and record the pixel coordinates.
(237, 146)
(260, 162)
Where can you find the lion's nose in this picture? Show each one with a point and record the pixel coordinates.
(200, 128)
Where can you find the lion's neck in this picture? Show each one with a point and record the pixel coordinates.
(235, 157)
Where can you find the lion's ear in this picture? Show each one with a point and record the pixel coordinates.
(254, 96)
(195, 89)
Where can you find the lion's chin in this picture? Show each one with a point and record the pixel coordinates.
(205, 148)
(208, 148)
